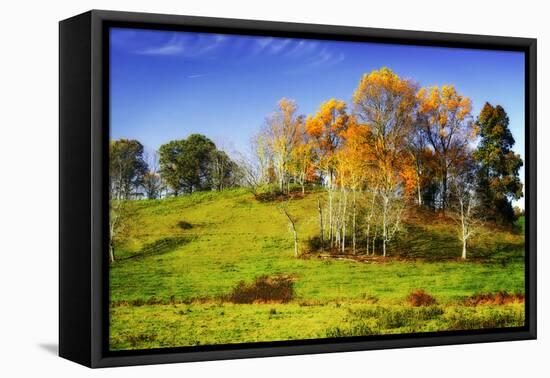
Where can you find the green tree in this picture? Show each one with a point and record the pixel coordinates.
(498, 175)
(126, 171)
(222, 170)
(186, 165)
(126, 168)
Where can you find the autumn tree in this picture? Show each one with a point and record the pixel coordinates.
(326, 129)
(250, 173)
(354, 167)
(302, 157)
(386, 103)
(152, 183)
(445, 121)
(292, 220)
(423, 163)
(260, 161)
(464, 204)
(498, 175)
(281, 137)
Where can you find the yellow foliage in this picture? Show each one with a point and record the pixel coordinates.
(327, 128)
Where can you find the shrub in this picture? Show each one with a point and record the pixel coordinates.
(464, 318)
(314, 244)
(369, 298)
(264, 289)
(140, 339)
(355, 330)
(396, 317)
(420, 297)
(500, 298)
(185, 225)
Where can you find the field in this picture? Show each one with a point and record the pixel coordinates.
(177, 274)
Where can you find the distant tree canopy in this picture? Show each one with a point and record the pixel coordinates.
(498, 174)
(224, 172)
(194, 164)
(126, 168)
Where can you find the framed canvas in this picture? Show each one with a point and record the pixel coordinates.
(234, 188)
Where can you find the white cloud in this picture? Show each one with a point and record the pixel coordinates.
(195, 76)
(187, 45)
(302, 52)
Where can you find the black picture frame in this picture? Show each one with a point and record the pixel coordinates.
(83, 196)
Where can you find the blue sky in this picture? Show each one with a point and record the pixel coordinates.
(166, 85)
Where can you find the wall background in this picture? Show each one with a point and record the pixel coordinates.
(29, 186)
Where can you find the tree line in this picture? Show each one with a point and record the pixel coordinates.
(395, 145)
(178, 167)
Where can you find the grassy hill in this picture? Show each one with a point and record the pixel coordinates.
(183, 258)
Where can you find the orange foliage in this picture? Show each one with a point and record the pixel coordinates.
(327, 128)
(386, 103)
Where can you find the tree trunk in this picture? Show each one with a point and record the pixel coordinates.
(384, 226)
(330, 215)
(322, 233)
(444, 190)
(111, 253)
(295, 241)
(354, 211)
(344, 221)
(419, 192)
(464, 232)
(338, 223)
(368, 238)
(293, 229)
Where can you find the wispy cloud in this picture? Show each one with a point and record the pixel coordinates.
(326, 57)
(301, 48)
(196, 76)
(269, 46)
(185, 44)
(167, 49)
(306, 53)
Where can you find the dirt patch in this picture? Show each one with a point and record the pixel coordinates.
(500, 298)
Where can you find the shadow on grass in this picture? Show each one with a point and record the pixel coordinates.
(428, 244)
(431, 245)
(159, 247)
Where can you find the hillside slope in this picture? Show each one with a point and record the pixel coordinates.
(184, 255)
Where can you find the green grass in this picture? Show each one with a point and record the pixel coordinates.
(163, 269)
(158, 326)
